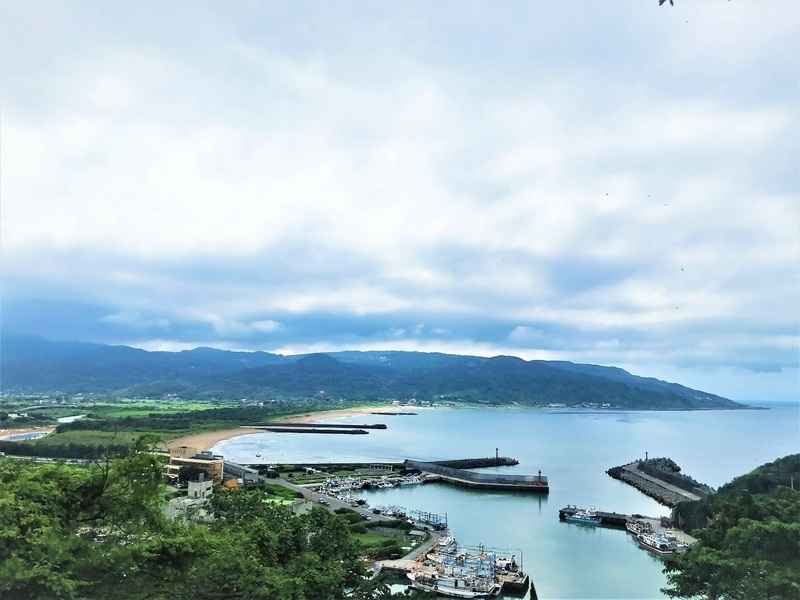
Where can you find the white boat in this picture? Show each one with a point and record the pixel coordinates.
(584, 517)
(638, 527)
(657, 543)
(446, 542)
(454, 587)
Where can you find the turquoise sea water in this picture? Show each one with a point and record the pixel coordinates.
(573, 449)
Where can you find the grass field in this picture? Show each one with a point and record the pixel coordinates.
(89, 437)
(142, 408)
(278, 491)
(126, 408)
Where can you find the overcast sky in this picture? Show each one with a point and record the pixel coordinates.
(607, 182)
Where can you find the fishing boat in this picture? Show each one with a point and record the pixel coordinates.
(454, 587)
(584, 517)
(638, 527)
(446, 542)
(657, 543)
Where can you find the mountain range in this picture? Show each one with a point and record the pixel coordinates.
(32, 364)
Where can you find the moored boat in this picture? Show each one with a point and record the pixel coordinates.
(454, 587)
(446, 542)
(657, 543)
(584, 517)
(638, 527)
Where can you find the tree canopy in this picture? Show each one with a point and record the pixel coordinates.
(749, 534)
(77, 533)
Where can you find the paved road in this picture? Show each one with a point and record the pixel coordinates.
(667, 486)
(332, 503)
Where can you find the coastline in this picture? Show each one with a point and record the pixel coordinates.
(208, 439)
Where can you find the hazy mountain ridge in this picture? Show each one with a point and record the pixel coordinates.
(34, 364)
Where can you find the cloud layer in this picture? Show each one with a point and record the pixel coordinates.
(613, 183)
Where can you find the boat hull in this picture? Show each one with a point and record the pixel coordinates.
(448, 591)
(583, 521)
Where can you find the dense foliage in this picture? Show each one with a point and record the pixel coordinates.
(749, 534)
(70, 450)
(98, 532)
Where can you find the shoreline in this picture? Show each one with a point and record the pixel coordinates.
(208, 439)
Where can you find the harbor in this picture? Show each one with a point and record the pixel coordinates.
(553, 549)
(654, 534)
(452, 570)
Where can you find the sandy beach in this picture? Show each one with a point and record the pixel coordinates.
(206, 440)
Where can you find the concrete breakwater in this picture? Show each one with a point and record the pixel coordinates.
(462, 477)
(660, 490)
(477, 463)
(323, 425)
(460, 463)
(311, 430)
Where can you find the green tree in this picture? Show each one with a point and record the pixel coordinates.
(749, 549)
(80, 533)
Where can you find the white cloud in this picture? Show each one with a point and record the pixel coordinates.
(253, 171)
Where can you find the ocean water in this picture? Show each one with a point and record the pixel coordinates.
(573, 449)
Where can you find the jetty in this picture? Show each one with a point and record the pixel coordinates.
(310, 430)
(661, 479)
(458, 463)
(495, 481)
(320, 425)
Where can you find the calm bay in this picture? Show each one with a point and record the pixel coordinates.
(573, 449)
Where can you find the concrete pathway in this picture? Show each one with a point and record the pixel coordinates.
(656, 481)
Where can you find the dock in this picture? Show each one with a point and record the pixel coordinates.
(310, 430)
(495, 481)
(616, 520)
(467, 563)
(607, 519)
(319, 425)
(458, 463)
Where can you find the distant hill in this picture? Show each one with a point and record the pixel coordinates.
(30, 364)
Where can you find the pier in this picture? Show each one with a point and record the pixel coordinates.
(616, 520)
(319, 425)
(459, 463)
(661, 479)
(296, 429)
(496, 481)
(608, 519)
